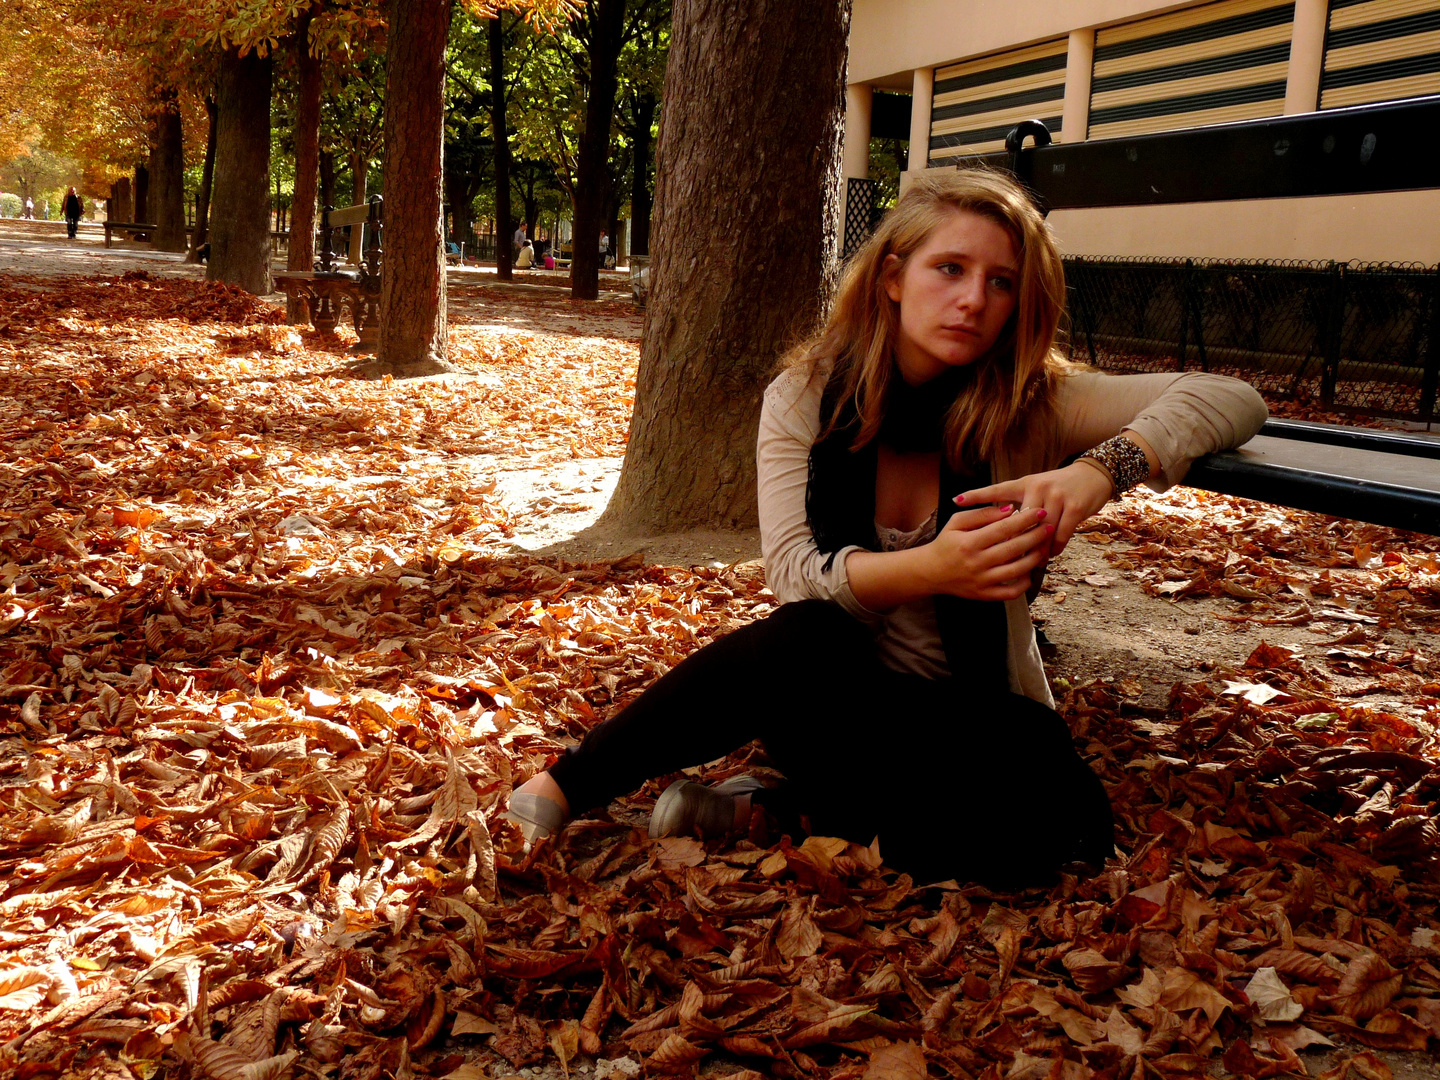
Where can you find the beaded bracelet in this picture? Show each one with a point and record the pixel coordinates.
(1121, 460)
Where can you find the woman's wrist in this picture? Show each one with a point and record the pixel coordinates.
(883, 580)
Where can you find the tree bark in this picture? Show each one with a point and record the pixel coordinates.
(121, 206)
(592, 170)
(640, 177)
(768, 75)
(207, 182)
(240, 213)
(504, 227)
(301, 254)
(142, 194)
(167, 172)
(327, 178)
(412, 283)
(460, 192)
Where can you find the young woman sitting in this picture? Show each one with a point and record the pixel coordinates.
(920, 460)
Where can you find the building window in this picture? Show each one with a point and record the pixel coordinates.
(1212, 64)
(1380, 50)
(977, 102)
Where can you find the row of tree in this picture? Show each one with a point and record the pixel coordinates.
(753, 93)
(574, 85)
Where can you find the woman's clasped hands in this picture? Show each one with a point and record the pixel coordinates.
(990, 552)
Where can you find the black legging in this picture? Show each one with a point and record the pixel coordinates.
(956, 784)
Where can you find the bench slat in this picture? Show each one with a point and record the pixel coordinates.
(1401, 492)
(1390, 442)
(350, 215)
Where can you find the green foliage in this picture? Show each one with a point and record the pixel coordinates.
(887, 162)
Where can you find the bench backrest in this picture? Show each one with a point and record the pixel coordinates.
(369, 216)
(349, 215)
(1366, 148)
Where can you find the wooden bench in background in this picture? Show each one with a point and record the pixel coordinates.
(329, 291)
(131, 228)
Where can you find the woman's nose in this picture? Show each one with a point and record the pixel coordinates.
(972, 295)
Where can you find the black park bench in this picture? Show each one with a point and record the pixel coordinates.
(328, 291)
(1381, 477)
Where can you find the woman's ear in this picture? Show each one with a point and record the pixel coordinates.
(890, 277)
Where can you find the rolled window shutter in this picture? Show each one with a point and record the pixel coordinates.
(1211, 64)
(978, 101)
(1380, 50)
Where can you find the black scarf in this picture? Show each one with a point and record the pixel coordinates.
(840, 504)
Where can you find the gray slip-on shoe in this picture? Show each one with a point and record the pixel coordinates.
(537, 816)
(686, 807)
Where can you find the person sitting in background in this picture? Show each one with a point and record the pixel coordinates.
(527, 256)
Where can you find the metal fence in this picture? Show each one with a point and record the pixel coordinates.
(1360, 338)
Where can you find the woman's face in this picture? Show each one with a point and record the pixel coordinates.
(955, 293)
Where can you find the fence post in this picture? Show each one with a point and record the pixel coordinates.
(1334, 328)
(1184, 310)
(1431, 383)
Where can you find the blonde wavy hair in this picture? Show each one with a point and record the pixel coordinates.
(1013, 384)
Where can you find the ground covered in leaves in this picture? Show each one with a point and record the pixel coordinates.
(270, 671)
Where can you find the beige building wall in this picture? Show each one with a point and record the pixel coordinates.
(891, 39)
(1399, 227)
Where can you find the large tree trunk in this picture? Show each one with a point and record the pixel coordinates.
(167, 172)
(301, 253)
(592, 171)
(240, 215)
(504, 227)
(327, 178)
(142, 194)
(121, 205)
(201, 235)
(640, 177)
(460, 191)
(715, 325)
(412, 281)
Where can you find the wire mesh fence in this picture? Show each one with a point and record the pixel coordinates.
(1359, 338)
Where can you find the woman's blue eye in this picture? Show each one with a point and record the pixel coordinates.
(950, 268)
(1004, 284)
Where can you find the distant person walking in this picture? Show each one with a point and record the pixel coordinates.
(604, 248)
(520, 239)
(73, 209)
(29, 208)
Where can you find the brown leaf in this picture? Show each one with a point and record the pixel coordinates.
(798, 935)
(898, 1061)
(1368, 985)
(675, 1054)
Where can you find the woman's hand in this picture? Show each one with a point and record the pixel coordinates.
(988, 553)
(1068, 496)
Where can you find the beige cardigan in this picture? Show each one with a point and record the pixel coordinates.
(1181, 416)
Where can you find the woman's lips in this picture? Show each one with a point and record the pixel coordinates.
(972, 331)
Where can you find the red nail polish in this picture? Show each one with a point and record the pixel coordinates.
(1040, 513)
(1049, 528)
(959, 499)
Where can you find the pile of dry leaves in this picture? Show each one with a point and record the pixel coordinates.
(268, 680)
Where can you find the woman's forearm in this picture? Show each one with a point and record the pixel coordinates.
(883, 580)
